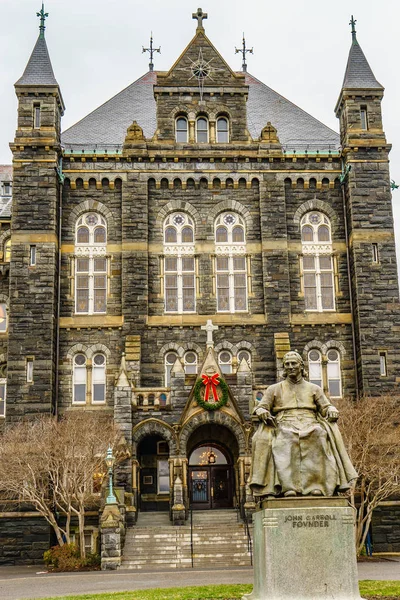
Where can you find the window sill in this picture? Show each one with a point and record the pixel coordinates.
(91, 321)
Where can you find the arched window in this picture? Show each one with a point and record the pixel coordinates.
(333, 374)
(230, 263)
(225, 362)
(79, 379)
(179, 264)
(190, 362)
(201, 130)
(7, 251)
(244, 354)
(3, 317)
(181, 130)
(318, 280)
(99, 378)
(169, 361)
(315, 367)
(222, 130)
(91, 264)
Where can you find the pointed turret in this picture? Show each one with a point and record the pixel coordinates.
(359, 103)
(358, 72)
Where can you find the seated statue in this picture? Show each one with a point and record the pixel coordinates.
(298, 449)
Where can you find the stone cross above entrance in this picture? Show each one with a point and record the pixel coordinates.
(199, 16)
(210, 328)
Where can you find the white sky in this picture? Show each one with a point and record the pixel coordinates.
(300, 50)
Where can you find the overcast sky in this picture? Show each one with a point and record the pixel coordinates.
(300, 50)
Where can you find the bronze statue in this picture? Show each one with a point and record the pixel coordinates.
(298, 449)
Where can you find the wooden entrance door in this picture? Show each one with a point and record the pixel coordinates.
(210, 486)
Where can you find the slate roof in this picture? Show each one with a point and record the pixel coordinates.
(358, 72)
(106, 126)
(39, 70)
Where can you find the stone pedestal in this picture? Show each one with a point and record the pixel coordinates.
(304, 549)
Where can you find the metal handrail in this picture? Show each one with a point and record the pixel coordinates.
(249, 540)
(191, 535)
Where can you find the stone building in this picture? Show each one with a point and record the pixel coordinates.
(196, 223)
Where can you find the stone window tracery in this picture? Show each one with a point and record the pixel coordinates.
(230, 263)
(317, 262)
(91, 264)
(179, 264)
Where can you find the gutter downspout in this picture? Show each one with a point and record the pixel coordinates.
(343, 177)
(61, 178)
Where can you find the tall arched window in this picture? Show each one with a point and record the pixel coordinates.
(79, 379)
(91, 264)
(225, 362)
(181, 129)
(169, 361)
(334, 374)
(222, 130)
(315, 367)
(231, 263)
(179, 264)
(201, 130)
(318, 280)
(99, 378)
(190, 363)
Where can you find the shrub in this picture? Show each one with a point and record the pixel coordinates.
(67, 558)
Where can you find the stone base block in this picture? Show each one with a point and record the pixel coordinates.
(304, 549)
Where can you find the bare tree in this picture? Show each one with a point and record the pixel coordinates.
(371, 431)
(51, 465)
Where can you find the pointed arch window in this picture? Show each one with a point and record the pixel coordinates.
(179, 264)
(169, 361)
(181, 130)
(222, 130)
(230, 263)
(91, 264)
(317, 262)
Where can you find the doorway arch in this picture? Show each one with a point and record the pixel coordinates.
(212, 452)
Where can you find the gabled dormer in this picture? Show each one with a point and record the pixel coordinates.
(200, 100)
(359, 105)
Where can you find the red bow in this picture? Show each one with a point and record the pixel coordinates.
(211, 383)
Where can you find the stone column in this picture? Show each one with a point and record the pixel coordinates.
(112, 536)
(178, 508)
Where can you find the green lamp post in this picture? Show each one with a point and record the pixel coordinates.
(110, 460)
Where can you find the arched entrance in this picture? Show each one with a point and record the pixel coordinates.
(212, 452)
(154, 475)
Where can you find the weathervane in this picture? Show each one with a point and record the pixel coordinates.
(244, 52)
(151, 51)
(353, 22)
(200, 16)
(43, 15)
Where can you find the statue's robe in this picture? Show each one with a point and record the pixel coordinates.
(304, 452)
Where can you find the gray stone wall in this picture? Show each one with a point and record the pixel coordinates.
(386, 528)
(23, 540)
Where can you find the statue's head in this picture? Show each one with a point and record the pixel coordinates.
(291, 357)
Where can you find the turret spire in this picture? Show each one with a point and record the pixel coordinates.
(43, 16)
(353, 22)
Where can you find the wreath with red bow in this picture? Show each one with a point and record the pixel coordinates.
(211, 400)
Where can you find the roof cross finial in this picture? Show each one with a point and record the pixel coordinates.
(353, 22)
(151, 51)
(43, 15)
(243, 53)
(200, 16)
(209, 328)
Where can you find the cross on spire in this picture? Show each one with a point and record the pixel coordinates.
(209, 328)
(243, 52)
(353, 22)
(151, 51)
(200, 16)
(43, 15)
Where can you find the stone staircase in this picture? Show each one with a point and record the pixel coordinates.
(218, 540)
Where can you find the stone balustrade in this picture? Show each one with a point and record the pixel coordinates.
(148, 398)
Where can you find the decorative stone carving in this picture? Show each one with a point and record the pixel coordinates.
(269, 134)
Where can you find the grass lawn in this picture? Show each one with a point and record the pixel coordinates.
(368, 589)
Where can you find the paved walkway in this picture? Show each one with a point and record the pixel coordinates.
(20, 583)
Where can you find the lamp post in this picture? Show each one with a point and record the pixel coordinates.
(110, 460)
